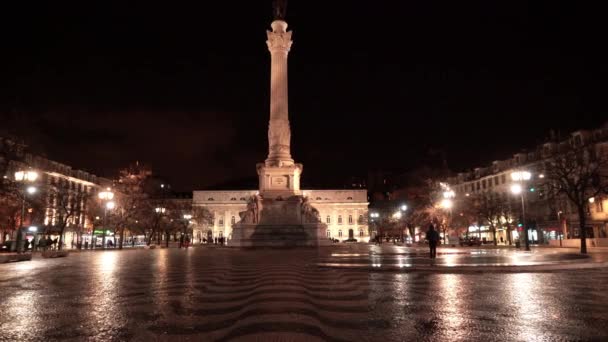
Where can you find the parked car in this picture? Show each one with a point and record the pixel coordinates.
(471, 241)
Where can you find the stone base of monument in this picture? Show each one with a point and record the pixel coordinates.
(280, 223)
(304, 235)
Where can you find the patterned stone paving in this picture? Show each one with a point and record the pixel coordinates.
(215, 294)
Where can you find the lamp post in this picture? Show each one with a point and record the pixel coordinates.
(159, 211)
(401, 212)
(519, 188)
(24, 177)
(187, 218)
(106, 196)
(447, 203)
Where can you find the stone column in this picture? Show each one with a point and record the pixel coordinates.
(279, 133)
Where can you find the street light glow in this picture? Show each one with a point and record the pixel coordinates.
(592, 200)
(159, 210)
(449, 194)
(29, 176)
(446, 203)
(187, 216)
(521, 176)
(32, 229)
(110, 205)
(31, 190)
(106, 195)
(516, 189)
(397, 215)
(403, 207)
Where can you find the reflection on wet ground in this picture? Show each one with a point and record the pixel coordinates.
(397, 257)
(223, 294)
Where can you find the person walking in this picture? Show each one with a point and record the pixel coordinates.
(433, 237)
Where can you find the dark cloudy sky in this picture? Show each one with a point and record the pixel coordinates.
(373, 84)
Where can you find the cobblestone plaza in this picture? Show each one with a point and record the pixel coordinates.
(221, 294)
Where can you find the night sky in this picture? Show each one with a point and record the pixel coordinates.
(373, 84)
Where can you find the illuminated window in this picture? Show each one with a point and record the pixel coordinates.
(328, 219)
(340, 219)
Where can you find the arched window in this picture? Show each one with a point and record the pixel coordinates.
(233, 199)
(349, 198)
(328, 219)
(328, 233)
(361, 232)
(318, 198)
(242, 199)
(339, 219)
(340, 233)
(350, 219)
(233, 220)
(210, 199)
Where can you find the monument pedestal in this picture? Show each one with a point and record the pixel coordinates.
(281, 223)
(279, 181)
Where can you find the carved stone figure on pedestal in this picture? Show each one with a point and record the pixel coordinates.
(308, 212)
(250, 215)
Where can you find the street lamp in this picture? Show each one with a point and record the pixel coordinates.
(187, 218)
(106, 196)
(160, 211)
(519, 189)
(25, 177)
(447, 203)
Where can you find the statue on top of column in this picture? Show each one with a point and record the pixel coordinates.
(280, 9)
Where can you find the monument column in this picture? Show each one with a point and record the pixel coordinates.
(279, 133)
(279, 176)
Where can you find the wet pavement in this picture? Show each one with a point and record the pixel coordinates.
(220, 294)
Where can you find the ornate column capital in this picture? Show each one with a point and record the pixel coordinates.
(279, 40)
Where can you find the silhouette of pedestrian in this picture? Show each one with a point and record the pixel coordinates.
(432, 236)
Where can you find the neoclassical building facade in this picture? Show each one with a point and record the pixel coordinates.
(343, 211)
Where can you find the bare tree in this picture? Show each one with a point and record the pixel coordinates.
(578, 174)
(492, 210)
(132, 205)
(67, 205)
